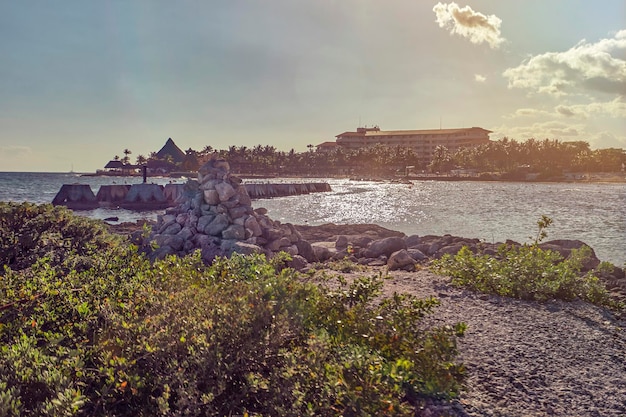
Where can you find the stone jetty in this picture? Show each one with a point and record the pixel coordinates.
(155, 197)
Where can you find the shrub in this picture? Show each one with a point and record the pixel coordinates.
(241, 336)
(29, 232)
(527, 272)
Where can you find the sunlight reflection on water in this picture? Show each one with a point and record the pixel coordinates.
(492, 211)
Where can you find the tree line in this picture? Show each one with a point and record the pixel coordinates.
(505, 157)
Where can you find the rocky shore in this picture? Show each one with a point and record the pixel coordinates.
(523, 358)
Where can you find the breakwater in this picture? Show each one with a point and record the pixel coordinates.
(155, 196)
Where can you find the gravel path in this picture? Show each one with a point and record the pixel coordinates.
(527, 358)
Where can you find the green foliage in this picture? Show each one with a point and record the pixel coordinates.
(122, 337)
(527, 272)
(29, 232)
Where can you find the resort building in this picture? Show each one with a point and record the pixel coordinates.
(422, 142)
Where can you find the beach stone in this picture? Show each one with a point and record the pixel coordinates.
(237, 212)
(175, 242)
(384, 246)
(217, 225)
(417, 254)
(225, 191)
(245, 248)
(204, 221)
(234, 232)
(211, 197)
(306, 251)
(172, 229)
(276, 245)
(451, 249)
(186, 233)
(412, 241)
(297, 262)
(252, 224)
(401, 260)
(341, 242)
(321, 251)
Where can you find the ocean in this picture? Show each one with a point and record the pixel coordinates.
(491, 211)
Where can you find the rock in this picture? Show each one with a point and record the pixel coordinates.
(565, 247)
(451, 249)
(211, 197)
(246, 248)
(234, 232)
(341, 243)
(172, 229)
(417, 254)
(412, 241)
(225, 191)
(385, 246)
(204, 221)
(252, 224)
(401, 260)
(321, 251)
(297, 262)
(306, 251)
(217, 226)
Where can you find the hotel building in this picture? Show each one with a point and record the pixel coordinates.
(422, 142)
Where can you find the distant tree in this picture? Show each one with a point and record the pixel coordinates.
(126, 158)
(141, 160)
(442, 160)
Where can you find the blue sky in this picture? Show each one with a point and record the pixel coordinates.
(80, 80)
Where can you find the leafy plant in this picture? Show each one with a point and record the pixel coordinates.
(121, 336)
(527, 272)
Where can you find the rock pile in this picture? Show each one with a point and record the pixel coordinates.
(214, 214)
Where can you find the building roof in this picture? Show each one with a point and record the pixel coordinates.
(327, 145)
(172, 150)
(370, 133)
(114, 164)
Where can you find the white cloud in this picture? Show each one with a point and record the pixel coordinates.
(586, 67)
(480, 78)
(469, 24)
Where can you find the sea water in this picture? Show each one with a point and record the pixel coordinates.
(491, 211)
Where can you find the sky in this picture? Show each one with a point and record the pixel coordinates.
(80, 81)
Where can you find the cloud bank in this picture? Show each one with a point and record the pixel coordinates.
(587, 67)
(469, 24)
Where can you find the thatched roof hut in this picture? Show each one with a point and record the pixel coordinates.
(170, 149)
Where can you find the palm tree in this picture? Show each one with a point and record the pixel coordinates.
(126, 158)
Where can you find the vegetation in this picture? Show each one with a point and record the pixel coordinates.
(527, 272)
(507, 157)
(89, 327)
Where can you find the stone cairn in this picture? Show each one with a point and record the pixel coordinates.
(214, 214)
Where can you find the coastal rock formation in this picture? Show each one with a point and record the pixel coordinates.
(214, 215)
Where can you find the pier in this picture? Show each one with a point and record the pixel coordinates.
(156, 197)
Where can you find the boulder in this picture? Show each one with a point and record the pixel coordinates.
(218, 225)
(401, 260)
(385, 246)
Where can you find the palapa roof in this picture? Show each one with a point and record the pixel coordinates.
(172, 150)
(114, 164)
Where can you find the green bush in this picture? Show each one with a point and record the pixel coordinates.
(29, 232)
(121, 336)
(527, 272)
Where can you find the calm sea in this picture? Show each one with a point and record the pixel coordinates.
(492, 211)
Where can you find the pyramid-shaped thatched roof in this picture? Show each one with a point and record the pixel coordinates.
(172, 150)
(114, 164)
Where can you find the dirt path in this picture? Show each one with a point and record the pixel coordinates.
(526, 358)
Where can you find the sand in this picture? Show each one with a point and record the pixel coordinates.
(527, 358)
